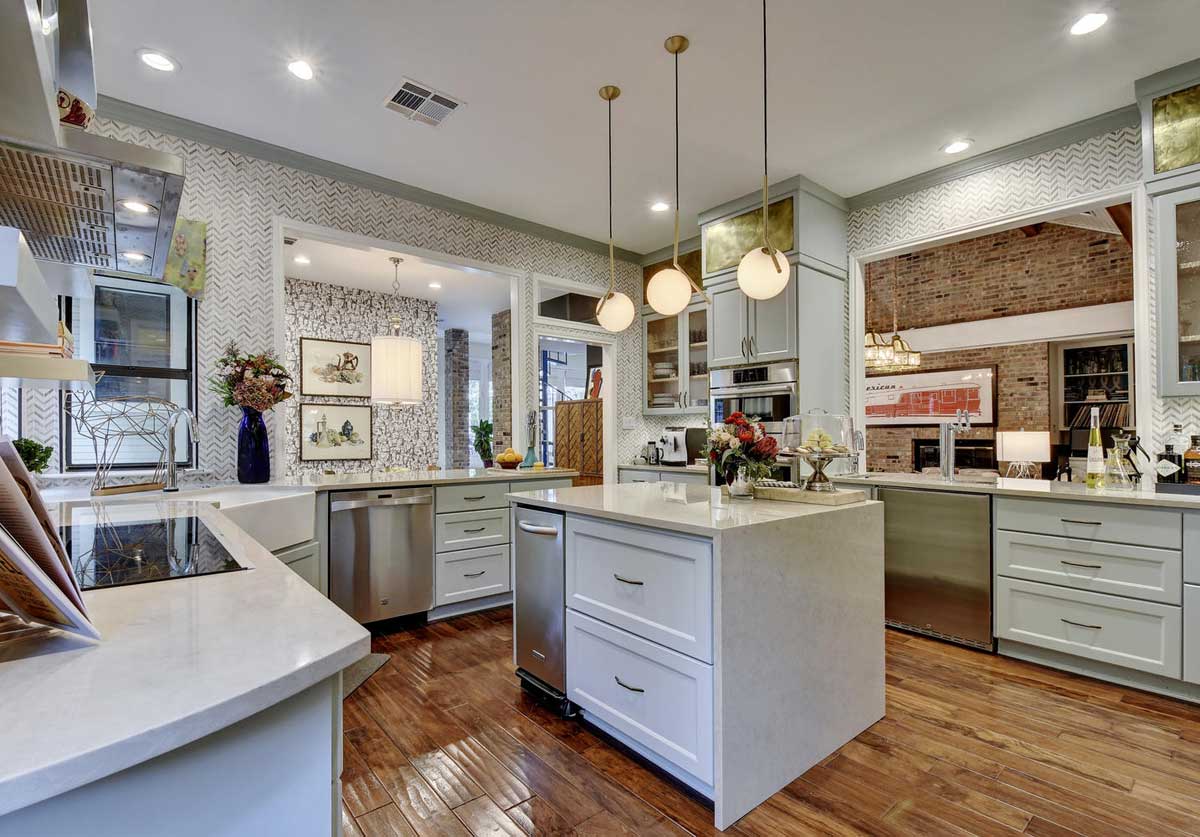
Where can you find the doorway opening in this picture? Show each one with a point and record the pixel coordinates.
(571, 389)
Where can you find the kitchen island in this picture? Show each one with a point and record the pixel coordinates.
(211, 705)
(734, 644)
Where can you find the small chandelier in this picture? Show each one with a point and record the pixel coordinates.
(890, 355)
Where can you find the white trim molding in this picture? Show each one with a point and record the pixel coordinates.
(1069, 324)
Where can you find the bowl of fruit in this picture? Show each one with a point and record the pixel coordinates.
(509, 460)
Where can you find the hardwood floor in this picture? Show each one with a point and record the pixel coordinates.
(442, 741)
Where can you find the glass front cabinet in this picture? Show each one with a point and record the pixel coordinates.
(675, 362)
(1178, 279)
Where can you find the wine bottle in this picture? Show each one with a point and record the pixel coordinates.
(1095, 453)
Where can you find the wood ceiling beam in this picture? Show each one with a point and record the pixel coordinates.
(1122, 216)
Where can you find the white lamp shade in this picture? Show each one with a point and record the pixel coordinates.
(396, 370)
(616, 315)
(1023, 446)
(668, 291)
(757, 276)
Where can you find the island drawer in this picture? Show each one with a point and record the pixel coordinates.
(540, 484)
(1191, 633)
(471, 496)
(627, 475)
(1191, 548)
(1137, 571)
(471, 574)
(1146, 636)
(653, 584)
(1136, 525)
(467, 530)
(660, 699)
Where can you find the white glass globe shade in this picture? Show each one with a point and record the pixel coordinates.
(669, 291)
(757, 276)
(617, 313)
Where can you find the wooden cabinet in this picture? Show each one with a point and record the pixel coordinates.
(1178, 280)
(579, 439)
(1095, 373)
(743, 330)
(675, 362)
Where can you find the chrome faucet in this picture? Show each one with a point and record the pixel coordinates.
(947, 431)
(170, 483)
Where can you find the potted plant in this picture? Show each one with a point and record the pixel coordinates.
(742, 451)
(483, 441)
(256, 383)
(35, 455)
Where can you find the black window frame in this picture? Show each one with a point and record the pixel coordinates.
(188, 373)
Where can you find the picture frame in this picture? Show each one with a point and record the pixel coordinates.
(335, 432)
(336, 368)
(924, 398)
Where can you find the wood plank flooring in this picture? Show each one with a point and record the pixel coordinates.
(442, 741)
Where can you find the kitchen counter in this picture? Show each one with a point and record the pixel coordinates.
(691, 469)
(1046, 489)
(454, 476)
(677, 507)
(179, 660)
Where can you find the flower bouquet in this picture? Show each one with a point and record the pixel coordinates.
(256, 383)
(742, 451)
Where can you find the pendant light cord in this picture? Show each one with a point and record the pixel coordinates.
(675, 256)
(612, 265)
(767, 248)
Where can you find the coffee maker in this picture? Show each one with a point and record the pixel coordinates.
(674, 446)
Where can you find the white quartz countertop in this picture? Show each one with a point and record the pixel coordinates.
(223, 494)
(693, 469)
(1045, 489)
(179, 660)
(676, 506)
(373, 479)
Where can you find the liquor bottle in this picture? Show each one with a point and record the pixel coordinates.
(1191, 462)
(1095, 454)
(1169, 466)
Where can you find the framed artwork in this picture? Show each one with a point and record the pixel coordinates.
(335, 431)
(931, 398)
(335, 367)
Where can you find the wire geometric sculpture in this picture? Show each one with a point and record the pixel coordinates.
(109, 422)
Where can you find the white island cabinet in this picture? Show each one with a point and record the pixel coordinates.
(734, 644)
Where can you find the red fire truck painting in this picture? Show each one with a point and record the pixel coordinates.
(922, 399)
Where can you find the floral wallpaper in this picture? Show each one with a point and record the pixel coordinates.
(402, 438)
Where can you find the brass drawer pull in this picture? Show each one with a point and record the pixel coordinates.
(1084, 566)
(471, 531)
(1082, 625)
(624, 580)
(1082, 522)
(474, 575)
(627, 686)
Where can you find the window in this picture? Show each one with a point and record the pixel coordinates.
(141, 336)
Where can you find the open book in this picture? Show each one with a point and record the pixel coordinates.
(36, 579)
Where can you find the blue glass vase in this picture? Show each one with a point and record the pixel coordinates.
(254, 448)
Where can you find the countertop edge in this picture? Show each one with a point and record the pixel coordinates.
(1081, 495)
(383, 480)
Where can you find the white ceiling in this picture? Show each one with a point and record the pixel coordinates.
(466, 299)
(863, 93)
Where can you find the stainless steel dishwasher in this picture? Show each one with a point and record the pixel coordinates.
(938, 564)
(539, 600)
(381, 552)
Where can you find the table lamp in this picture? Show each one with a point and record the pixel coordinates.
(1020, 449)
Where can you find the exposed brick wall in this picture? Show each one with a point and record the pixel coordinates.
(1001, 275)
(502, 380)
(458, 383)
(1023, 400)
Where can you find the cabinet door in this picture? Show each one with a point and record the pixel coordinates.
(694, 361)
(662, 392)
(773, 325)
(1179, 294)
(727, 327)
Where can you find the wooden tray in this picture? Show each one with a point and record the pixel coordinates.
(841, 497)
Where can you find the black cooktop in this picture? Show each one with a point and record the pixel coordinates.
(107, 554)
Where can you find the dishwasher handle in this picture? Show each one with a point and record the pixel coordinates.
(534, 529)
(347, 505)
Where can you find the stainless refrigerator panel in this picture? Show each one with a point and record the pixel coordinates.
(539, 605)
(938, 563)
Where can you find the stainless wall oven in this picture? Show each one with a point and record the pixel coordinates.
(769, 391)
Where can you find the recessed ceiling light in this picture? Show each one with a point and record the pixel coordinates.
(958, 146)
(158, 60)
(302, 259)
(435, 285)
(140, 207)
(134, 256)
(1089, 23)
(301, 70)
(660, 206)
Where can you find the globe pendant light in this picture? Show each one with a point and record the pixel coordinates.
(614, 311)
(396, 360)
(670, 290)
(764, 271)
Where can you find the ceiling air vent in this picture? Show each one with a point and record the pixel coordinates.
(422, 103)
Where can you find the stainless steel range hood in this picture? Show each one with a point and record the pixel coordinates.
(79, 198)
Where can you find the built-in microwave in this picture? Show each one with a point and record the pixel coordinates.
(769, 392)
